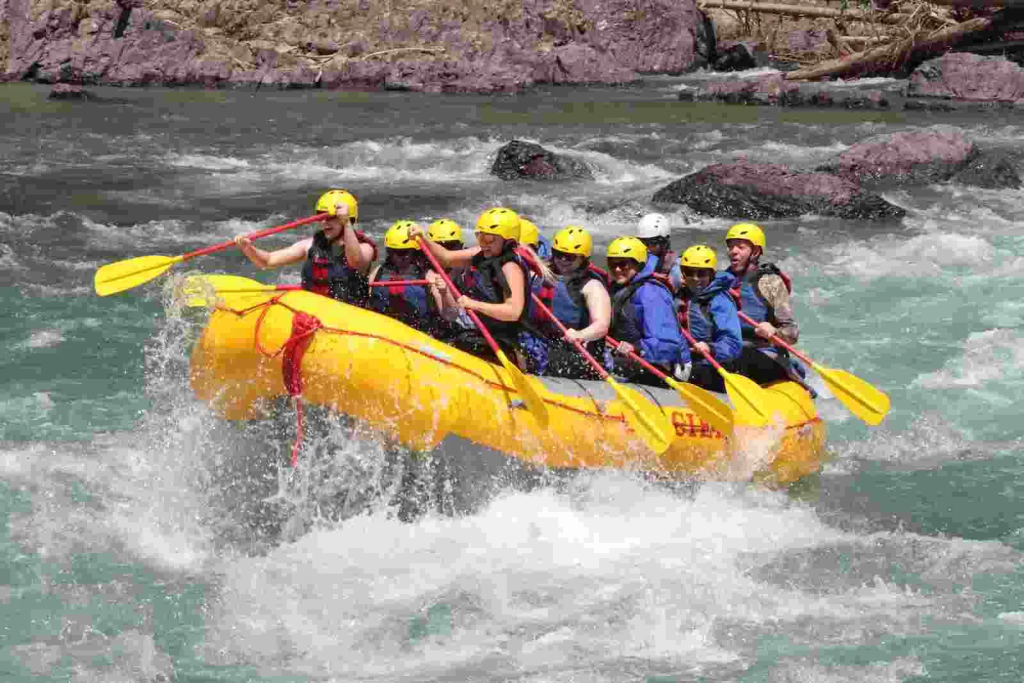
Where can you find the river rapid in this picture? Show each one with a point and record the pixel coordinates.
(121, 557)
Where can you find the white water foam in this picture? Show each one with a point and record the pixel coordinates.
(41, 339)
(547, 586)
(992, 355)
(895, 256)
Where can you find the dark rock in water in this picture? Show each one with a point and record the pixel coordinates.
(763, 191)
(991, 169)
(920, 156)
(66, 91)
(519, 159)
(961, 75)
(739, 56)
(775, 90)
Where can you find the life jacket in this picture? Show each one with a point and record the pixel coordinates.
(329, 274)
(754, 303)
(569, 305)
(484, 281)
(602, 273)
(698, 321)
(666, 262)
(409, 303)
(625, 327)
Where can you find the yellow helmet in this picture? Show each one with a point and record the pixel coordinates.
(528, 233)
(572, 239)
(499, 221)
(397, 236)
(699, 256)
(328, 203)
(746, 231)
(444, 230)
(628, 247)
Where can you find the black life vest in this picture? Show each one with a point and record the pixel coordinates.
(329, 274)
(409, 303)
(484, 281)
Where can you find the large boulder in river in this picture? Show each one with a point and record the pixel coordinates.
(927, 155)
(762, 191)
(519, 159)
(962, 75)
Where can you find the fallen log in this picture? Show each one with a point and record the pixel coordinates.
(808, 10)
(980, 4)
(887, 58)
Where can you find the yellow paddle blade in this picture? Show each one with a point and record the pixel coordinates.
(708, 407)
(117, 277)
(534, 403)
(203, 291)
(752, 403)
(645, 418)
(862, 399)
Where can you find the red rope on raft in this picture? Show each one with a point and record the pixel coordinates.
(304, 326)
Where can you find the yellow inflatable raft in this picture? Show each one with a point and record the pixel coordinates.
(424, 394)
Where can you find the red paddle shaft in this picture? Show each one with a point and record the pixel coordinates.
(256, 235)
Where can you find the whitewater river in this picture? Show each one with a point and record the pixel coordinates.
(129, 550)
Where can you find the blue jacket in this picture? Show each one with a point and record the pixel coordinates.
(722, 331)
(647, 320)
(544, 249)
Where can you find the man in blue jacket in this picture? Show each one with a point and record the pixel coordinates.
(709, 313)
(643, 317)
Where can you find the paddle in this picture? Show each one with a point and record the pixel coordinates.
(708, 407)
(197, 287)
(534, 402)
(117, 277)
(646, 419)
(861, 398)
(750, 400)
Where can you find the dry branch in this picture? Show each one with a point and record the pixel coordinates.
(808, 10)
(884, 58)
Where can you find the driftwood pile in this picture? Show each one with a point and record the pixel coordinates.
(887, 38)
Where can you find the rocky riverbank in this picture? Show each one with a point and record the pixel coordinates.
(416, 45)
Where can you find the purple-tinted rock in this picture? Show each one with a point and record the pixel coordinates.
(961, 75)
(581, 64)
(763, 191)
(519, 159)
(131, 42)
(919, 156)
(991, 169)
(65, 91)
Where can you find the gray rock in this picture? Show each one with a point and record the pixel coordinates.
(764, 191)
(919, 156)
(519, 159)
(991, 169)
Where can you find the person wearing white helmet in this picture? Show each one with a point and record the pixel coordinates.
(765, 297)
(656, 234)
(337, 258)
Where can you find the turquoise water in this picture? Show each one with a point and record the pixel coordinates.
(141, 539)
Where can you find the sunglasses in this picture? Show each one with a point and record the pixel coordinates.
(693, 272)
(562, 256)
(615, 264)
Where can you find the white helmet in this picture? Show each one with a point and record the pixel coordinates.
(652, 225)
